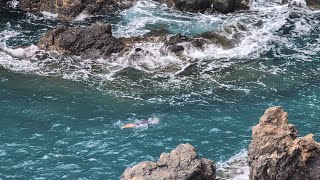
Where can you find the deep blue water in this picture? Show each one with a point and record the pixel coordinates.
(59, 123)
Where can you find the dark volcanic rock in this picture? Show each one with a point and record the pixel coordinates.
(68, 9)
(190, 5)
(223, 6)
(181, 163)
(277, 153)
(88, 42)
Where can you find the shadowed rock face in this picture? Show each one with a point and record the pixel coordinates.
(88, 42)
(181, 163)
(68, 9)
(277, 153)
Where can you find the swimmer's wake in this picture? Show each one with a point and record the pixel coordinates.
(141, 123)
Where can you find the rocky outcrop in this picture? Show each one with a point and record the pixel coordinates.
(208, 6)
(181, 163)
(96, 41)
(88, 42)
(69, 9)
(277, 153)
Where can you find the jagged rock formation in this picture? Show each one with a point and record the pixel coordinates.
(68, 9)
(181, 163)
(96, 41)
(277, 153)
(223, 6)
(88, 42)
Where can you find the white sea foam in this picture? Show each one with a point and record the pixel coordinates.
(236, 168)
(148, 13)
(49, 15)
(14, 3)
(81, 17)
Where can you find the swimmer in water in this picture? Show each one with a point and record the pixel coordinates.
(141, 123)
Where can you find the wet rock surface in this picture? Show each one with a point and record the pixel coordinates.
(96, 41)
(69, 9)
(90, 42)
(181, 163)
(207, 6)
(277, 153)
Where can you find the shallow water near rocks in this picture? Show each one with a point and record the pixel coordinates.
(61, 118)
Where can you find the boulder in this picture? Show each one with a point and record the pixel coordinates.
(90, 42)
(277, 153)
(181, 163)
(69, 9)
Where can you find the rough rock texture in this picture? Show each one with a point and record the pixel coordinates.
(276, 153)
(181, 163)
(223, 6)
(88, 42)
(68, 9)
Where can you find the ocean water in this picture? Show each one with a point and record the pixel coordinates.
(61, 116)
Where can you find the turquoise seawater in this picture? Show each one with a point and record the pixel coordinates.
(59, 120)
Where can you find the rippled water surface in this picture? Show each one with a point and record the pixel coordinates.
(61, 117)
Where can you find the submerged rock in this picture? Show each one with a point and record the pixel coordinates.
(88, 42)
(181, 163)
(277, 153)
(69, 9)
(227, 37)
